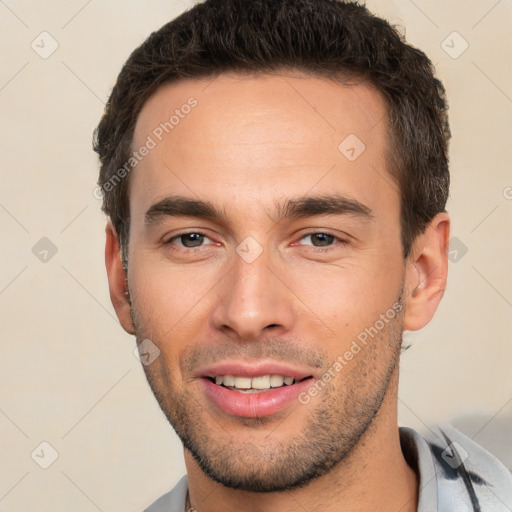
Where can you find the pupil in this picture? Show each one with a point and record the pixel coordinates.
(324, 238)
(194, 238)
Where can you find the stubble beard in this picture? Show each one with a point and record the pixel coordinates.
(342, 414)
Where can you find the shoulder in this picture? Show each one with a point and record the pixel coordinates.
(172, 501)
(464, 468)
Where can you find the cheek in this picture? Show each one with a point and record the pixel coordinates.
(172, 310)
(348, 297)
(169, 298)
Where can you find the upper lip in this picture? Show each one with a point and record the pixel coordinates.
(243, 369)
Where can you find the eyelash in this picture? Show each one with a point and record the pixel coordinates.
(321, 249)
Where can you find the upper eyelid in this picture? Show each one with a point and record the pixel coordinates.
(319, 232)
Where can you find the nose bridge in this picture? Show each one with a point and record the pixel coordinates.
(252, 297)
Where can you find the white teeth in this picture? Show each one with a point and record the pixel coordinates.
(260, 382)
(228, 380)
(243, 382)
(276, 381)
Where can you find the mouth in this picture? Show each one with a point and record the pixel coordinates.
(249, 392)
(259, 384)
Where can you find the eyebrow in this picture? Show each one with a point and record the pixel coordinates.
(309, 206)
(301, 207)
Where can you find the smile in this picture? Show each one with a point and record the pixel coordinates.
(253, 393)
(255, 384)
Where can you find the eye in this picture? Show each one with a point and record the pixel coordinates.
(188, 240)
(319, 239)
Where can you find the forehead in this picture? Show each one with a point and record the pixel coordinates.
(236, 137)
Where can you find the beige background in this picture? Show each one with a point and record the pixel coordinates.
(68, 375)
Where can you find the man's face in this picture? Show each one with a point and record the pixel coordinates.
(276, 285)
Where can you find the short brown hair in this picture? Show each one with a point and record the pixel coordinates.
(326, 38)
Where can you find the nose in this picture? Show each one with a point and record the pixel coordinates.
(253, 299)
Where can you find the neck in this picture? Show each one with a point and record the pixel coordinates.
(374, 476)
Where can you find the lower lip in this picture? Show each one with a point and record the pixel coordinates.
(254, 405)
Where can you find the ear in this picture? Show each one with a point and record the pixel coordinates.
(117, 279)
(426, 272)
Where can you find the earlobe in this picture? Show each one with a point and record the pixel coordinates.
(427, 268)
(117, 279)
